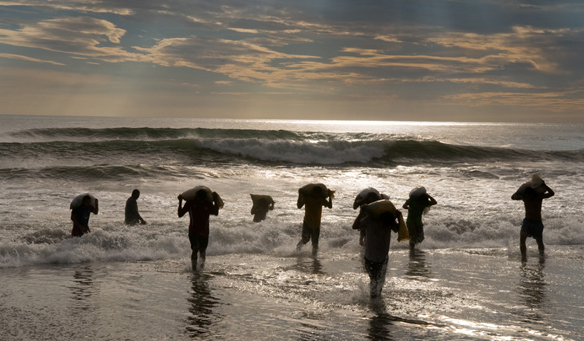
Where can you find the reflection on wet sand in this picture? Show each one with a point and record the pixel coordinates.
(310, 331)
(379, 325)
(317, 267)
(531, 290)
(417, 266)
(83, 288)
(201, 307)
(314, 267)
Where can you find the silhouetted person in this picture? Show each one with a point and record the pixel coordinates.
(132, 215)
(416, 206)
(532, 225)
(199, 211)
(377, 238)
(312, 216)
(260, 210)
(80, 216)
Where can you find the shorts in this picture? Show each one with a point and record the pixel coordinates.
(198, 242)
(533, 228)
(309, 233)
(416, 232)
(77, 231)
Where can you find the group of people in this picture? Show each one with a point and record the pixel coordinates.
(80, 214)
(376, 219)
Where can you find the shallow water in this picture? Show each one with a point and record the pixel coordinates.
(437, 294)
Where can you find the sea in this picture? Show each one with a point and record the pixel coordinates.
(466, 281)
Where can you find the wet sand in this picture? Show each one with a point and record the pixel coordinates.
(431, 294)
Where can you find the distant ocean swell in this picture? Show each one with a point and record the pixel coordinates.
(122, 146)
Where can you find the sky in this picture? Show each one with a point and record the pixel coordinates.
(415, 60)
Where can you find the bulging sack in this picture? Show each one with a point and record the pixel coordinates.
(211, 196)
(417, 192)
(364, 194)
(257, 199)
(78, 201)
(307, 190)
(379, 207)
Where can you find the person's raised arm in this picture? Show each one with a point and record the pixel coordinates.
(300, 202)
(96, 207)
(431, 201)
(329, 202)
(549, 192)
(395, 226)
(214, 209)
(181, 210)
(357, 222)
(406, 205)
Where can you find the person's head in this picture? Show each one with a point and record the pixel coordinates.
(86, 201)
(135, 194)
(201, 195)
(387, 218)
(317, 192)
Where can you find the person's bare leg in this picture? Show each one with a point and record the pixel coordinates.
(522, 247)
(194, 259)
(302, 241)
(300, 245)
(540, 245)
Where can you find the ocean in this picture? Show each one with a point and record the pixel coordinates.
(466, 280)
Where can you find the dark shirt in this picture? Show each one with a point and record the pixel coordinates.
(199, 214)
(132, 215)
(416, 210)
(376, 240)
(81, 214)
(313, 211)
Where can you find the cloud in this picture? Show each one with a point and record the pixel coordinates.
(29, 59)
(239, 59)
(75, 35)
(470, 51)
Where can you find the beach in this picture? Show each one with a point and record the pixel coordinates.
(481, 294)
(466, 280)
